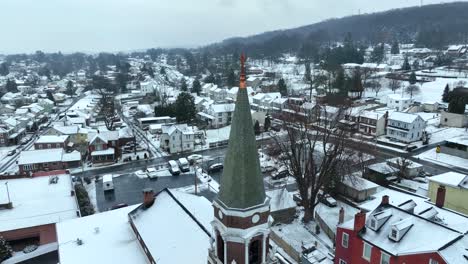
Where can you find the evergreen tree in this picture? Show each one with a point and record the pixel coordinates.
(378, 53)
(406, 66)
(183, 85)
(307, 75)
(11, 86)
(70, 88)
(4, 70)
(340, 80)
(196, 86)
(267, 124)
(395, 48)
(231, 79)
(162, 71)
(282, 88)
(457, 105)
(446, 94)
(209, 79)
(185, 110)
(257, 128)
(50, 96)
(412, 78)
(5, 249)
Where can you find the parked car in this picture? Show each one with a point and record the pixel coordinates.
(327, 200)
(174, 167)
(184, 165)
(151, 173)
(282, 172)
(215, 167)
(11, 152)
(268, 169)
(195, 158)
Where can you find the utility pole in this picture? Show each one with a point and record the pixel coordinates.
(8, 194)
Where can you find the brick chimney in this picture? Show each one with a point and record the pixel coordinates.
(359, 221)
(148, 197)
(440, 198)
(341, 216)
(385, 200)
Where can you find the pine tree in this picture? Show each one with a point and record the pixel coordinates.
(185, 110)
(412, 78)
(267, 124)
(406, 66)
(446, 94)
(4, 69)
(283, 89)
(183, 85)
(307, 75)
(5, 249)
(257, 128)
(231, 79)
(162, 71)
(196, 86)
(11, 86)
(70, 91)
(395, 48)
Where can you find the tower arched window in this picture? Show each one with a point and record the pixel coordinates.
(255, 252)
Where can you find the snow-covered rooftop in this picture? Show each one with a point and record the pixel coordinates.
(170, 234)
(107, 238)
(403, 117)
(52, 139)
(452, 179)
(36, 202)
(463, 140)
(280, 199)
(40, 156)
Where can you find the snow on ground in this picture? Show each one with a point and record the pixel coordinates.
(442, 159)
(91, 189)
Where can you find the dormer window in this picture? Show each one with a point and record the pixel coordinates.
(373, 224)
(394, 234)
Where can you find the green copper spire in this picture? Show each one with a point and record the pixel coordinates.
(242, 182)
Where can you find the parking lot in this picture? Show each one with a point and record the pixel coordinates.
(128, 188)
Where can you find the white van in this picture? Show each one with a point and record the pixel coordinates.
(184, 165)
(107, 182)
(173, 167)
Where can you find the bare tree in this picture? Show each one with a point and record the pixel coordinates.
(375, 86)
(395, 85)
(402, 165)
(412, 89)
(316, 155)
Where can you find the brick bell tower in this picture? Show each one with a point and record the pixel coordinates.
(241, 211)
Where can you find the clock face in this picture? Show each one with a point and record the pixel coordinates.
(220, 214)
(255, 218)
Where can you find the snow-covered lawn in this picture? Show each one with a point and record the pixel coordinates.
(444, 159)
(215, 135)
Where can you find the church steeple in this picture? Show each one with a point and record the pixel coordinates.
(242, 181)
(241, 224)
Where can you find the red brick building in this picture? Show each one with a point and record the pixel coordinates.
(47, 160)
(396, 235)
(103, 147)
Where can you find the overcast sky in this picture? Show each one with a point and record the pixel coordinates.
(120, 25)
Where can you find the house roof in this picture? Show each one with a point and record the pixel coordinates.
(164, 226)
(52, 139)
(280, 199)
(423, 235)
(36, 201)
(106, 237)
(40, 156)
(453, 179)
(222, 108)
(403, 117)
(67, 130)
(358, 183)
(463, 140)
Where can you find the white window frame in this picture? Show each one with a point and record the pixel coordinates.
(433, 261)
(382, 254)
(343, 240)
(364, 251)
(341, 262)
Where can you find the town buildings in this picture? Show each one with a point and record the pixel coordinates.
(452, 189)
(405, 127)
